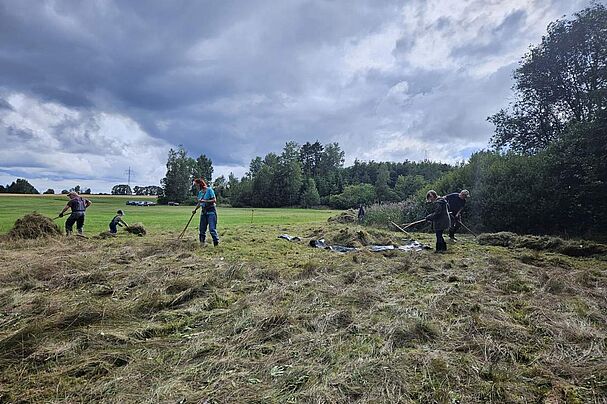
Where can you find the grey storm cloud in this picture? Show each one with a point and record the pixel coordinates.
(235, 79)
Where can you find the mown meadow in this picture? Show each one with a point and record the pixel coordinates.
(260, 319)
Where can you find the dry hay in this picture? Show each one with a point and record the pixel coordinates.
(575, 248)
(349, 216)
(105, 234)
(34, 226)
(137, 229)
(357, 238)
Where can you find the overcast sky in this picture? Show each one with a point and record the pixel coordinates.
(89, 88)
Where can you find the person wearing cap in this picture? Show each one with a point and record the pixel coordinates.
(457, 202)
(208, 214)
(440, 218)
(117, 221)
(78, 205)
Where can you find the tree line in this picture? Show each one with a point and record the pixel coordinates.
(22, 186)
(305, 175)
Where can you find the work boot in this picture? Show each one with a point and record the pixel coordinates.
(68, 233)
(215, 243)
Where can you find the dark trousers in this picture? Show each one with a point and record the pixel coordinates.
(75, 217)
(441, 245)
(209, 220)
(455, 226)
(113, 228)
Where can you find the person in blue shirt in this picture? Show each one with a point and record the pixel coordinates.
(208, 214)
(457, 202)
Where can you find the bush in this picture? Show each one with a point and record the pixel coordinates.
(353, 195)
(380, 215)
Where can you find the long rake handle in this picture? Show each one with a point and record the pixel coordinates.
(414, 223)
(400, 228)
(186, 226)
(467, 228)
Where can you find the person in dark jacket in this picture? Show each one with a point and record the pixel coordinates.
(440, 218)
(78, 205)
(361, 213)
(457, 202)
(117, 221)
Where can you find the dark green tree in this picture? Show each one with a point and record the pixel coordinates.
(121, 189)
(177, 183)
(407, 185)
(203, 168)
(49, 191)
(310, 196)
(561, 81)
(255, 166)
(21, 186)
(310, 156)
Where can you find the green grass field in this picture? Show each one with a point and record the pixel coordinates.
(154, 218)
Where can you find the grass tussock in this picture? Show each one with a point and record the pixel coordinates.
(260, 320)
(574, 248)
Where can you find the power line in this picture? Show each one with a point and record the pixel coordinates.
(129, 172)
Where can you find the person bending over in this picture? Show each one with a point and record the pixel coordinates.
(440, 218)
(78, 205)
(117, 221)
(457, 202)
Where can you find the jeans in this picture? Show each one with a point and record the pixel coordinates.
(75, 217)
(113, 228)
(455, 225)
(208, 219)
(441, 245)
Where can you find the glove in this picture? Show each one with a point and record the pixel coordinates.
(61, 214)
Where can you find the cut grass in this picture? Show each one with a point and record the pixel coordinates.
(260, 319)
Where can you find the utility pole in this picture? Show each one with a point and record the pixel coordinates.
(129, 172)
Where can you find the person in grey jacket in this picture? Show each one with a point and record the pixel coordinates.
(440, 218)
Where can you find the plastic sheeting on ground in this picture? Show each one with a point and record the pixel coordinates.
(410, 245)
(289, 238)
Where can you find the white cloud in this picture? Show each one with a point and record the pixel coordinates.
(44, 140)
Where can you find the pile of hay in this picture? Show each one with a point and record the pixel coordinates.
(574, 248)
(349, 216)
(357, 238)
(34, 226)
(137, 229)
